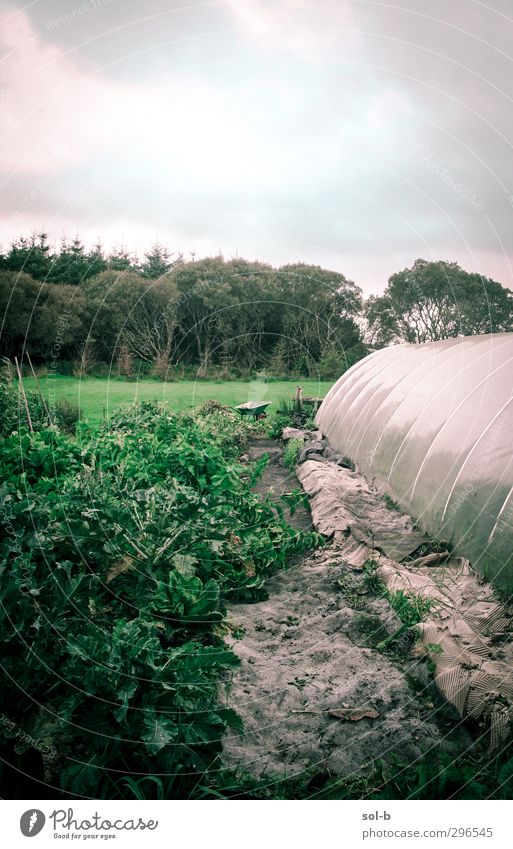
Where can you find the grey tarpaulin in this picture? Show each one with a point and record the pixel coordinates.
(473, 667)
(467, 632)
(342, 501)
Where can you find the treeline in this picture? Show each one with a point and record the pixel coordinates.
(73, 264)
(90, 313)
(95, 314)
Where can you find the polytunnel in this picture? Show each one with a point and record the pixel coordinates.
(432, 425)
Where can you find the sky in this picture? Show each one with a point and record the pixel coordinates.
(353, 134)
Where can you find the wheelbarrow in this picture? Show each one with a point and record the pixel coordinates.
(252, 408)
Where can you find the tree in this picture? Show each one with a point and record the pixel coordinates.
(437, 300)
(30, 255)
(319, 310)
(156, 262)
(204, 297)
(71, 265)
(96, 260)
(150, 330)
(226, 310)
(251, 324)
(49, 321)
(382, 326)
(86, 361)
(18, 296)
(112, 296)
(121, 260)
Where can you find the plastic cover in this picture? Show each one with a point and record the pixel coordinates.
(432, 425)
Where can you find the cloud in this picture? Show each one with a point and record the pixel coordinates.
(325, 131)
(54, 110)
(302, 26)
(252, 140)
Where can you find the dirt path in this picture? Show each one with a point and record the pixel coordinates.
(313, 690)
(277, 479)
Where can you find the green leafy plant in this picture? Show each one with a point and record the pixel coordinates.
(292, 452)
(66, 415)
(411, 608)
(118, 551)
(373, 582)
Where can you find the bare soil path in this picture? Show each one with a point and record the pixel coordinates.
(314, 691)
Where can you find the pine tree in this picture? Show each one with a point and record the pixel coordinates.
(96, 260)
(157, 262)
(72, 263)
(120, 259)
(30, 255)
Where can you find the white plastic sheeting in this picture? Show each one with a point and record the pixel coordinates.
(432, 425)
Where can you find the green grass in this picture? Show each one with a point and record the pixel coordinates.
(101, 396)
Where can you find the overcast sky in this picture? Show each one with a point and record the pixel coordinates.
(355, 134)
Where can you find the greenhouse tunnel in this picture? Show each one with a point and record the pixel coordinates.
(432, 426)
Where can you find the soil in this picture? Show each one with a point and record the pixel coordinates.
(314, 691)
(277, 479)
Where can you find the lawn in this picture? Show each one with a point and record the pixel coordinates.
(98, 397)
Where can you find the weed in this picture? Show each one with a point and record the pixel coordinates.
(410, 608)
(292, 452)
(432, 546)
(391, 504)
(293, 416)
(66, 415)
(432, 649)
(238, 632)
(276, 424)
(435, 775)
(373, 582)
(294, 499)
